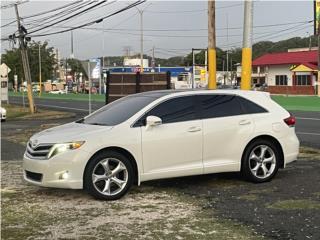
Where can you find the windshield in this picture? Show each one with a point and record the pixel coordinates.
(118, 111)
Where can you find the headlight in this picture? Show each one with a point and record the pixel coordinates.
(63, 147)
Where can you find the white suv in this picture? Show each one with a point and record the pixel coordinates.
(164, 134)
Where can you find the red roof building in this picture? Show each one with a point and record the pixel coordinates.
(293, 58)
(292, 72)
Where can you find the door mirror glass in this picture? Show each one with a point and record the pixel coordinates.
(152, 121)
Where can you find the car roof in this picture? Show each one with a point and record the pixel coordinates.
(181, 92)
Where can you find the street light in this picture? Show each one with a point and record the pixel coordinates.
(141, 33)
(40, 72)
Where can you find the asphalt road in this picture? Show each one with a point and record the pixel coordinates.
(307, 127)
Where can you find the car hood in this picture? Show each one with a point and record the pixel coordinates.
(68, 132)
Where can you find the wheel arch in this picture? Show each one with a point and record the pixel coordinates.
(126, 153)
(268, 138)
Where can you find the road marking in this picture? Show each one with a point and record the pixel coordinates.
(305, 133)
(313, 119)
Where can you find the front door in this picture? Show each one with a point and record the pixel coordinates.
(173, 148)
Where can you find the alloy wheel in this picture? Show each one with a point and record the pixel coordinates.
(109, 176)
(262, 161)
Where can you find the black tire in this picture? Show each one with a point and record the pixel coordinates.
(247, 168)
(92, 166)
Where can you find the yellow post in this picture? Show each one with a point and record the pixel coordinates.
(247, 46)
(246, 69)
(212, 84)
(212, 62)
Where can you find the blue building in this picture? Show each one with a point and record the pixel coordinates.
(175, 71)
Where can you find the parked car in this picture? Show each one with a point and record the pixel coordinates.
(164, 134)
(56, 91)
(3, 114)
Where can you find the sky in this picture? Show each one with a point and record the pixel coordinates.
(172, 27)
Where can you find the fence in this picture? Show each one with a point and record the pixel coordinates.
(119, 85)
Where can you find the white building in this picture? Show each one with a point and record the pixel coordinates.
(135, 62)
(292, 72)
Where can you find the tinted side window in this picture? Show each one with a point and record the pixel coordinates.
(251, 107)
(175, 110)
(213, 106)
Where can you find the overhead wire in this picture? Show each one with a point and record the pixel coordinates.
(72, 19)
(69, 17)
(42, 13)
(94, 21)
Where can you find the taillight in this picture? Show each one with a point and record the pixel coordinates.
(290, 121)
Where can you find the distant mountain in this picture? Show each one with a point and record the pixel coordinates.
(259, 49)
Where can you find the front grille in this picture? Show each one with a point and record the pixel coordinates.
(39, 152)
(34, 176)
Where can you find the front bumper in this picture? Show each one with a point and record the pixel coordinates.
(64, 170)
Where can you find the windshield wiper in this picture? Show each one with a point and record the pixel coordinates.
(98, 124)
(81, 120)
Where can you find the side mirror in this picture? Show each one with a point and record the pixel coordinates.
(153, 121)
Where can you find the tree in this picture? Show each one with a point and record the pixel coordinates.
(76, 68)
(48, 62)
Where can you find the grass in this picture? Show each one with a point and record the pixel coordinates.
(298, 103)
(18, 112)
(300, 204)
(69, 96)
(15, 111)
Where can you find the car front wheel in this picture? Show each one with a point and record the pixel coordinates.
(108, 176)
(261, 161)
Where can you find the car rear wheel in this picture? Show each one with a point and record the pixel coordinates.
(108, 176)
(261, 161)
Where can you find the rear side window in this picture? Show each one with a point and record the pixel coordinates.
(214, 106)
(173, 110)
(251, 107)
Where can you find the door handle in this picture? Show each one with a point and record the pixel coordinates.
(194, 129)
(245, 122)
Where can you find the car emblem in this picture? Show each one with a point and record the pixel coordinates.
(34, 143)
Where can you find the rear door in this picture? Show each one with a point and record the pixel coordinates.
(226, 130)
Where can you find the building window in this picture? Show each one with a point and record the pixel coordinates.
(303, 80)
(254, 69)
(281, 80)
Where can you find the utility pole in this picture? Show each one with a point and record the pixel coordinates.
(40, 77)
(141, 39)
(141, 34)
(212, 84)
(72, 54)
(318, 58)
(25, 61)
(90, 86)
(247, 45)
(153, 62)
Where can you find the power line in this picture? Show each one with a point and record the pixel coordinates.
(62, 20)
(95, 21)
(174, 30)
(73, 10)
(42, 13)
(195, 11)
(279, 33)
(10, 5)
(65, 12)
